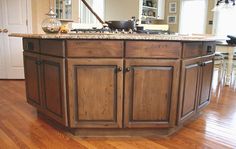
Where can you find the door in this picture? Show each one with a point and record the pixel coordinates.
(53, 88)
(151, 93)
(189, 87)
(13, 17)
(33, 85)
(206, 82)
(95, 93)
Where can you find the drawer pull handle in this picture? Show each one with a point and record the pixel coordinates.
(38, 62)
(209, 49)
(30, 46)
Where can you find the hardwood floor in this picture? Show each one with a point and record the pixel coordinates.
(20, 127)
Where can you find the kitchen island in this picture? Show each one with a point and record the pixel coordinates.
(115, 85)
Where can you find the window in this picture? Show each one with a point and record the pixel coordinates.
(224, 22)
(193, 17)
(86, 17)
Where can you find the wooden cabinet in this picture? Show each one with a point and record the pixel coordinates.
(195, 86)
(205, 82)
(95, 93)
(45, 85)
(189, 87)
(32, 79)
(151, 93)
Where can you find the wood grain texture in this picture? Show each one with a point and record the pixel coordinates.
(192, 49)
(151, 89)
(189, 88)
(31, 45)
(53, 47)
(95, 93)
(152, 49)
(95, 48)
(21, 128)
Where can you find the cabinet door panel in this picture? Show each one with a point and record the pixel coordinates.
(53, 88)
(206, 81)
(151, 93)
(189, 88)
(95, 95)
(32, 79)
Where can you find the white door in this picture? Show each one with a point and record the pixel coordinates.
(14, 16)
(2, 58)
(193, 17)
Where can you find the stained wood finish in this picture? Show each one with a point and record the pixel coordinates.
(95, 93)
(53, 88)
(152, 49)
(53, 47)
(95, 48)
(31, 45)
(151, 89)
(206, 81)
(208, 48)
(189, 87)
(33, 83)
(192, 49)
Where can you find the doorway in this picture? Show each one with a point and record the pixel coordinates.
(15, 17)
(193, 17)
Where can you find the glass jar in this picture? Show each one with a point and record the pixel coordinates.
(51, 24)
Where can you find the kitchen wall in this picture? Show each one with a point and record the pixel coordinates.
(39, 9)
(175, 27)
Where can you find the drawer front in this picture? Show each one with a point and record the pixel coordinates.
(94, 48)
(152, 49)
(192, 49)
(53, 47)
(31, 45)
(208, 48)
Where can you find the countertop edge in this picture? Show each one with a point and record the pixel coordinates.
(116, 37)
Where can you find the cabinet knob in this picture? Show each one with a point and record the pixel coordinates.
(128, 69)
(119, 69)
(38, 62)
(0, 30)
(5, 30)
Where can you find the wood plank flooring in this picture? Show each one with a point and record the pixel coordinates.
(20, 127)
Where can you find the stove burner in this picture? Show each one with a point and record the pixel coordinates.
(107, 30)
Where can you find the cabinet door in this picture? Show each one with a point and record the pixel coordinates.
(206, 82)
(151, 92)
(32, 79)
(189, 84)
(53, 88)
(95, 93)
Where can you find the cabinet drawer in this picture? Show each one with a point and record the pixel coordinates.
(208, 48)
(153, 49)
(94, 48)
(53, 47)
(192, 49)
(31, 45)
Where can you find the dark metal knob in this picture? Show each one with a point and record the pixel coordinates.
(119, 69)
(128, 69)
(38, 62)
(0, 30)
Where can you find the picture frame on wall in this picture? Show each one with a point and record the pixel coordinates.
(172, 19)
(172, 7)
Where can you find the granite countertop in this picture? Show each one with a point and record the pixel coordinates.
(111, 36)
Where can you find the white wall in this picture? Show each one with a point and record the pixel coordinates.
(121, 9)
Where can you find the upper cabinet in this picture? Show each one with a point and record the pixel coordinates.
(147, 11)
(152, 10)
